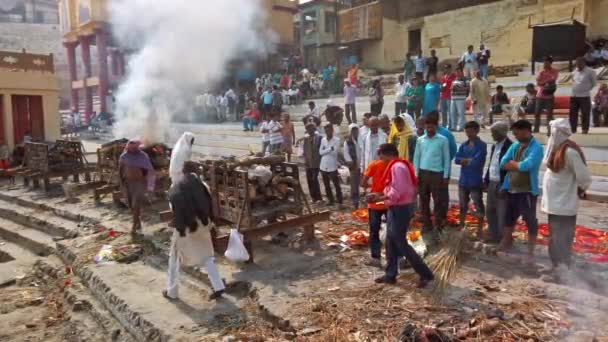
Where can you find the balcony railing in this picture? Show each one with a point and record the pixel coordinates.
(361, 23)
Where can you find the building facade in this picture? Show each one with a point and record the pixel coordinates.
(29, 94)
(450, 26)
(85, 28)
(318, 35)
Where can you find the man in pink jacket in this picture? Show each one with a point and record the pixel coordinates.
(399, 197)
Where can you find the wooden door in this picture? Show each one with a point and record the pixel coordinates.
(36, 117)
(28, 117)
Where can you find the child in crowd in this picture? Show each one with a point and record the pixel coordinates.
(499, 100)
(600, 107)
(289, 135)
(375, 171)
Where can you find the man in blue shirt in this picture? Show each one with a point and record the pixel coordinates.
(471, 156)
(445, 191)
(432, 164)
(266, 104)
(522, 163)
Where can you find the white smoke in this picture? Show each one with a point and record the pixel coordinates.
(178, 47)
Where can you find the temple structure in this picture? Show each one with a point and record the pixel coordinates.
(86, 30)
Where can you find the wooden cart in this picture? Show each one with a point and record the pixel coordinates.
(233, 205)
(63, 158)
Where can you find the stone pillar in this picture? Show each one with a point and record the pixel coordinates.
(101, 40)
(9, 137)
(71, 54)
(85, 47)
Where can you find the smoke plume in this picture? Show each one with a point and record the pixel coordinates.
(177, 48)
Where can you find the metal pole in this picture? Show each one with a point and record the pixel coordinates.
(337, 43)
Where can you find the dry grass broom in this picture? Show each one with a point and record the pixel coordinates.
(446, 263)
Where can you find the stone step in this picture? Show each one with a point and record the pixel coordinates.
(16, 261)
(47, 222)
(133, 294)
(31, 239)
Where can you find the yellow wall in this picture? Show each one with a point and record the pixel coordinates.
(597, 16)
(35, 84)
(502, 26)
(280, 20)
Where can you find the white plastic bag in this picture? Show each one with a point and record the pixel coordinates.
(236, 251)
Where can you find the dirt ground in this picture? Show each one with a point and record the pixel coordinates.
(321, 292)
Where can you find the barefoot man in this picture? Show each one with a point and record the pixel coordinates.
(136, 176)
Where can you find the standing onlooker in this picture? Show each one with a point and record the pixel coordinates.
(312, 160)
(432, 162)
(400, 95)
(499, 100)
(432, 63)
(399, 136)
(265, 136)
(471, 157)
(420, 65)
(329, 164)
(446, 94)
(352, 156)
(522, 163)
(376, 98)
(275, 137)
(408, 67)
(289, 136)
(371, 141)
(266, 104)
(469, 63)
(328, 76)
(460, 92)
(415, 96)
(480, 97)
(399, 196)
(314, 110)
(483, 60)
(364, 129)
(277, 100)
(545, 99)
(496, 205)
(413, 139)
(584, 80)
(432, 92)
(601, 105)
(223, 107)
(353, 75)
(350, 99)
(231, 97)
(566, 179)
(375, 170)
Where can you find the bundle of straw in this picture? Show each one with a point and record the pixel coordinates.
(448, 260)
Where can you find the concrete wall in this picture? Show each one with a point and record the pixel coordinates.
(280, 20)
(31, 83)
(38, 38)
(501, 25)
(597, 17)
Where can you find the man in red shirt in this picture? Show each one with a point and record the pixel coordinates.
(446, 93)
(545, 98)
(375, 171)
(399, 196)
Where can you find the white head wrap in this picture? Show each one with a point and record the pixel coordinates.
(330, 103)
(560, 132)
(179, 156)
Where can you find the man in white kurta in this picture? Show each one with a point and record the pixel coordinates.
(566, 179)
(191, 203)
(371, 141)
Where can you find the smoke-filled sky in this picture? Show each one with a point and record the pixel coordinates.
(179, 47)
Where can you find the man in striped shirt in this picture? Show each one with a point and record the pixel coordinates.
(274, 133)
